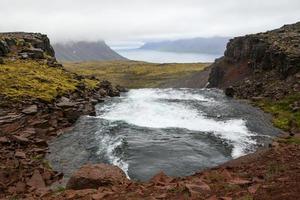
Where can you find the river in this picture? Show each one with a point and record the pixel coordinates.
(178, 131)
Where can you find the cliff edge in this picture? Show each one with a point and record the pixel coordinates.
(256, 64)
(264, 68)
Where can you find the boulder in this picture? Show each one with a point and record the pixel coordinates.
(24, 55)
(4, 140)
(10, 42)
(110, 90)
(30, 110)
(20, 139)
(121, 88)
(65, 102)
(20, 154)
(4, 49)
(36, 181)
(229, 91)
(95, 176)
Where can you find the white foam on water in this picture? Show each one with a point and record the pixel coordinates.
(146, 108)
(109, 144)
(167, 93)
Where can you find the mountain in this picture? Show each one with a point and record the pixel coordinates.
(214, 45)
(84, 51)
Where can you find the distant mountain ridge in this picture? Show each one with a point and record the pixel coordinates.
(214, 45)
(85, 51)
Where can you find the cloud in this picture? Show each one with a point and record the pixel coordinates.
(142, 20)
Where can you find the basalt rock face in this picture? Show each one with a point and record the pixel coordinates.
(256, 64)
(20, 45)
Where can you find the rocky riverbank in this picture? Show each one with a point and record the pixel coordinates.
(35, 110)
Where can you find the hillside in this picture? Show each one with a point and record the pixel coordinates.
(214, 45)
(135, 74)
(83, 51)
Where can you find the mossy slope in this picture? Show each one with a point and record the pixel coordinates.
(284, 117)
(23, 79)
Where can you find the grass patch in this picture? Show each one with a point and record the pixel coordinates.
(59, 189)
(134, 74)
(215, 177)
(23, 79)
(37, 157)
(90, 83)
(274, 169)
(290, 140)
(283, 116)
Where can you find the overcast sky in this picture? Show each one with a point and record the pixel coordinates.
(142, 20)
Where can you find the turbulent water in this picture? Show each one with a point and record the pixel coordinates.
(179, 131)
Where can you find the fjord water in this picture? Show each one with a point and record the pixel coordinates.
(178, 131)
(165, 57)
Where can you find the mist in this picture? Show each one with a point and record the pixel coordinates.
(131, 21)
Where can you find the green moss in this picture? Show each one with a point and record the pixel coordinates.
(37, 157)
(133, 74)
(274, 169)
(283, 115)
(91, 84)
(31, 79)
(59, 189)
(290, 140)
(46, 164)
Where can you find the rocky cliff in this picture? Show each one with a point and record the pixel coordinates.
(38, 99)
(25, 45)
(264, 64)
(264, 68)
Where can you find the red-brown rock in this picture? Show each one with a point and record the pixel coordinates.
(161, 178)
(30, 110)
(36, 181)
(20, 154)
(239, 181)
(20, 139)
(95, 176)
